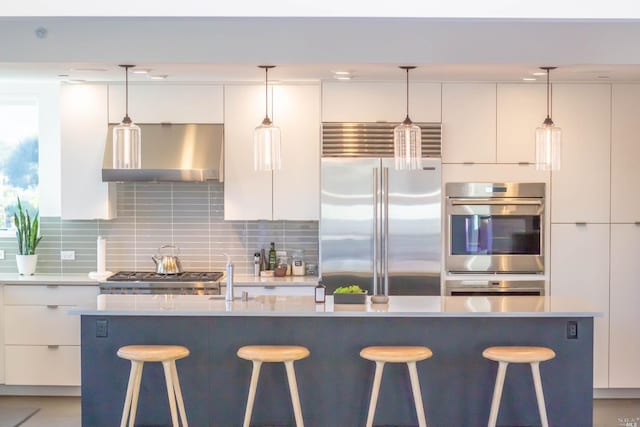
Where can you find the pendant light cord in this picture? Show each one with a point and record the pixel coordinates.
(548, 96)
(126, 91)
(266, 93)
(407, 93)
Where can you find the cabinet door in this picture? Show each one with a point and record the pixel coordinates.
(43, 365)
(296, 186)
(580, 189)
(83, 133)
(625, 299)
(469, 123)
(521, 109)
(373, 102)
(156, 103)
(580, 269)
(247, 193)
(625, 152)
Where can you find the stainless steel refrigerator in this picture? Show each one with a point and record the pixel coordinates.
(380, 228)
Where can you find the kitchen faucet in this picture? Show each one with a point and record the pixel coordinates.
(229, 271)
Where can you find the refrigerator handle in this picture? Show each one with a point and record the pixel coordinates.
(376, 237)
(386, 229)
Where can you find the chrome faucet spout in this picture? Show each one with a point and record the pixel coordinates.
(229, 271)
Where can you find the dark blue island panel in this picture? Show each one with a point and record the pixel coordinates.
(334, 382)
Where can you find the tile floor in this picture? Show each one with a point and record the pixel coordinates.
(65, 411)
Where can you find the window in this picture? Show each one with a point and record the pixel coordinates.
(18, 156)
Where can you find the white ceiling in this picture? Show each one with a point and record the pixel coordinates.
(311, 49)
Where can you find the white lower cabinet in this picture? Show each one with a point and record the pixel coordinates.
(624, 370)
(41, 339)
(580, 268)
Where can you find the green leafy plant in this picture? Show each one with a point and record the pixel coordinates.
(26, 231)
(349, 289)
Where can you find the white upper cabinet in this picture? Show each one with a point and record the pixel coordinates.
(83, 132)
(625, 152)
(585, 273)
(521, 109)
(291, 193)
(167, 103)
(374, 102)
(469, 123)
(296, 186)
(580, 189)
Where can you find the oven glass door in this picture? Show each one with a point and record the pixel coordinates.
(495, 235)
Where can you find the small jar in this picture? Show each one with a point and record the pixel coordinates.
(298, 263)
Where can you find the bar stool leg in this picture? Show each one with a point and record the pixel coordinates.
(377, 378)
(136, 393)
(133, 375)
(178, 393)
(255, 373)
(537, 382)
(168, 377)
(417, 395)
(293, 388)
(497, 393)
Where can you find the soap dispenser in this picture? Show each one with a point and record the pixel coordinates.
(229, 271)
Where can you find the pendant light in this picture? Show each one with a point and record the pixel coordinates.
(126, 136)
(266, 137)
(548, 136)
(407, 139)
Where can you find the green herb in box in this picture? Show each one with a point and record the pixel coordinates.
(351, 294)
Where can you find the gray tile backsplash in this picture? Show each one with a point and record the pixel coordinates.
(187, 215)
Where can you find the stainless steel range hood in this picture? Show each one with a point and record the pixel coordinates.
(172, 152)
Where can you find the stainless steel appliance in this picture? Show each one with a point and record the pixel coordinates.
(379, 228)
(495, 227)
(142, 282)
(494, 287)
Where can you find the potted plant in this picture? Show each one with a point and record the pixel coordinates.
(27, 233)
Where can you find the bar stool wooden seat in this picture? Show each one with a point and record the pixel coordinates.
(167, 355)
(396, 354)
(286, 354)
(517, 354)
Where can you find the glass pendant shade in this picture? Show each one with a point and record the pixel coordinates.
(407, 139)
(266, 137)
(126, 146)
(407, 146)
(548, 146)
(127, 138)
(266, 147)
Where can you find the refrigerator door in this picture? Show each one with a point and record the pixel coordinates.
(413, 242)
(347, 220)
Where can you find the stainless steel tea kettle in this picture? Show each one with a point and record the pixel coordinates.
(167, 261)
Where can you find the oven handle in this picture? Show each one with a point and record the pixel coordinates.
(475, 202)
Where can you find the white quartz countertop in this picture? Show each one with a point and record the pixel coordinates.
(304, 306)
(43, 279)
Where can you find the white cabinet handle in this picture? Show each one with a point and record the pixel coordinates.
(52, 306)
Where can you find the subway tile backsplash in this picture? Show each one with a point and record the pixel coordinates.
(187, 215)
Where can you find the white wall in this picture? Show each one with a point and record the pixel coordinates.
(48, 98)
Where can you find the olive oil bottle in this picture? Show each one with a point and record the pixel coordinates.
(272, 257)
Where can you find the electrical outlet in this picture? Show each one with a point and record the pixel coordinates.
(102, 328)
(572, 330)
(68, 255)
(1, 253)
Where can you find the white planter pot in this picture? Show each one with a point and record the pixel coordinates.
(26, 264)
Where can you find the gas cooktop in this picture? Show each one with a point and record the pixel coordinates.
(150, 276)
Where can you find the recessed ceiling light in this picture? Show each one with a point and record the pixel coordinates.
(342, 73)
(88, 69)
(338, 77)
(529, 79)
(158, 77)
(539, 73)
(141, 71)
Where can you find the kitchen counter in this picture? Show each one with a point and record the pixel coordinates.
(456, 383)
(251, 280)
(43, 279)
(303, 306)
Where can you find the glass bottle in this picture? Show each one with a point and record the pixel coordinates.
(272, 257)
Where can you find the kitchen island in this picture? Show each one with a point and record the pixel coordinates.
(334, 382)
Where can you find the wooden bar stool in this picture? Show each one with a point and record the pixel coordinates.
(407, 354)
(167, 354)
(286, 354)
(515, 354)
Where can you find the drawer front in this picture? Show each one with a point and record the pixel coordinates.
(274, 290)
(42, 365)
(84, 296)
(41, 325)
